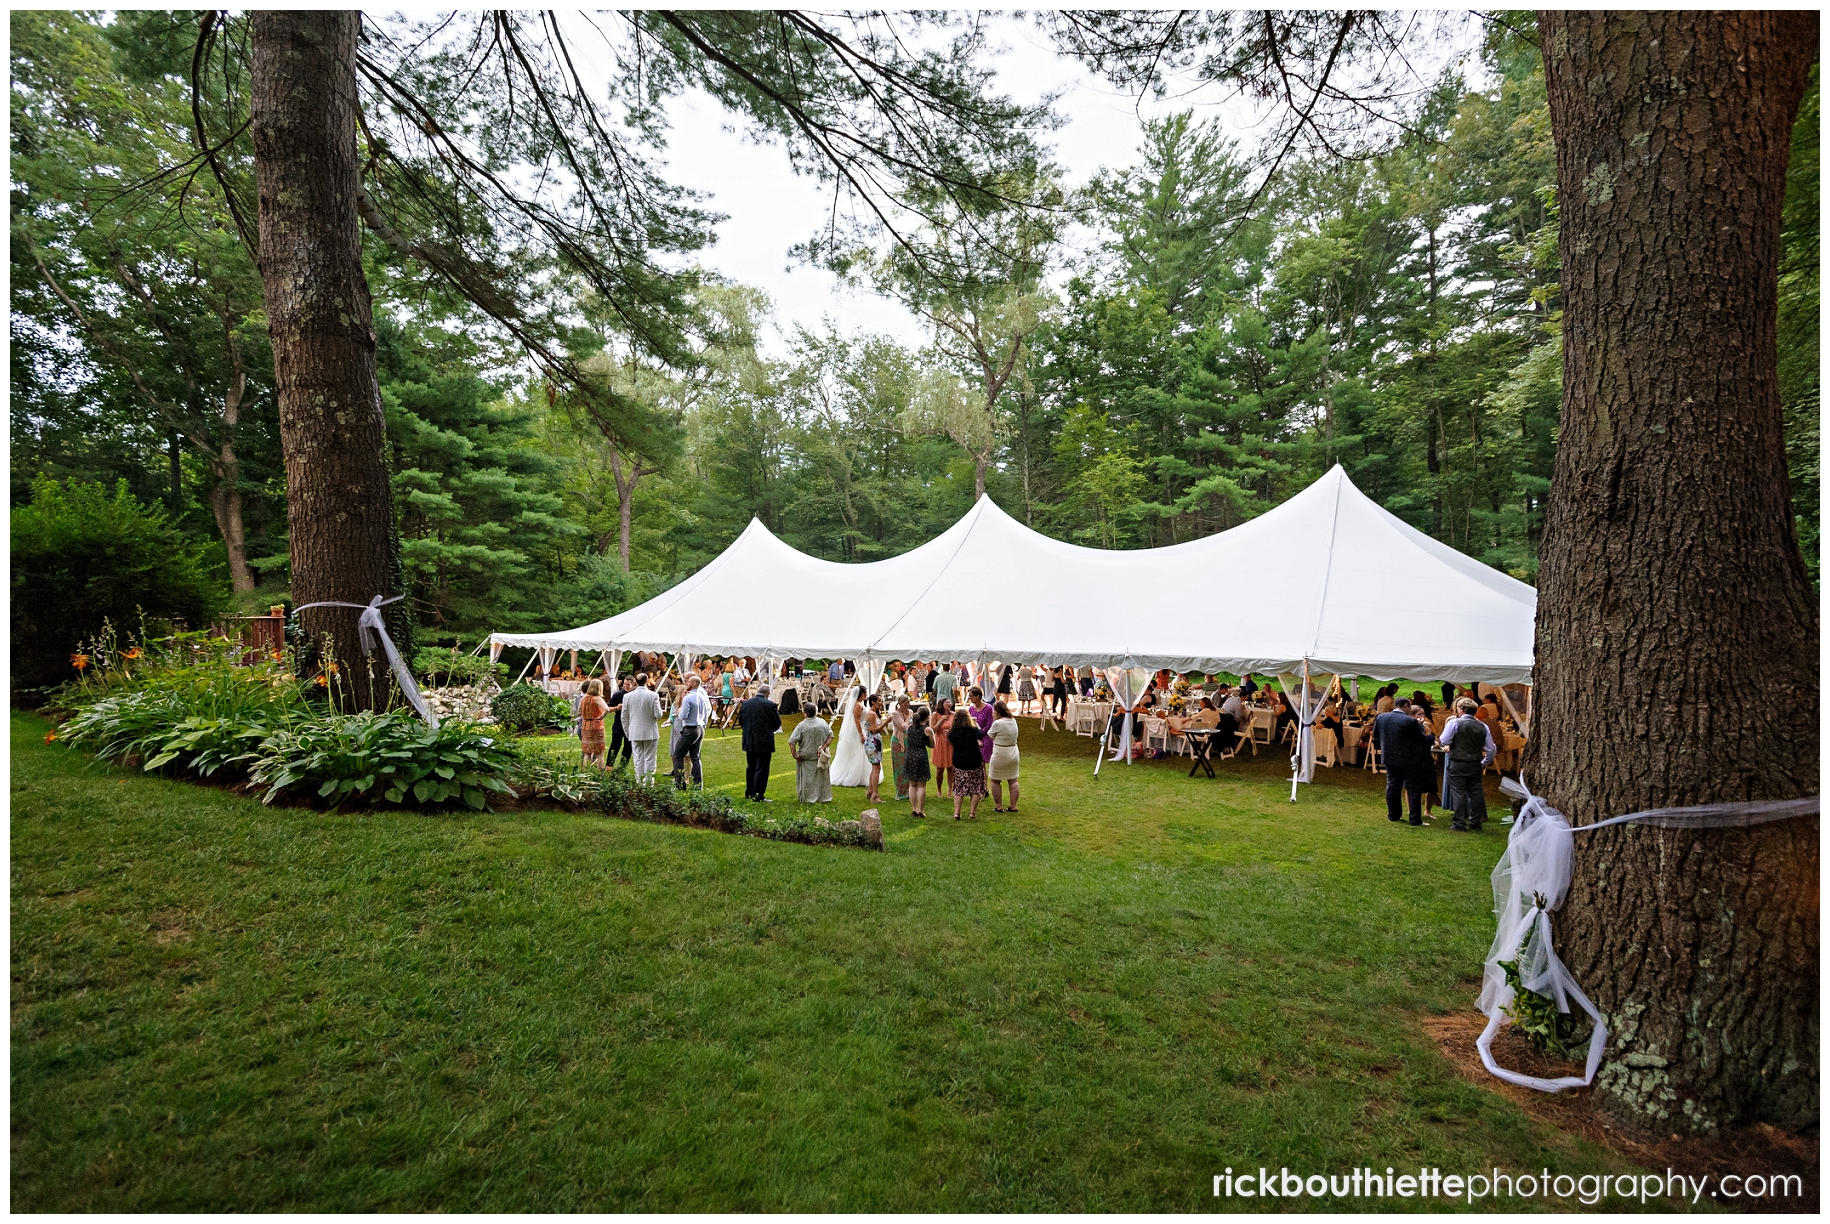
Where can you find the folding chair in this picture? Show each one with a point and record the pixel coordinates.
(1326, 746)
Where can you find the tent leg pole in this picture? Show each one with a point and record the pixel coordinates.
(1104, 736)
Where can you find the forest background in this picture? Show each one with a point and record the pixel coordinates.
(1218, 350)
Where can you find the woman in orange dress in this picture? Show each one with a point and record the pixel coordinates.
(943, 751)
(591, 710)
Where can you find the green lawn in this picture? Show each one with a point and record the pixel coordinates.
(1097, 1004)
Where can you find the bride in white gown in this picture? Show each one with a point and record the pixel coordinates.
(850, 767)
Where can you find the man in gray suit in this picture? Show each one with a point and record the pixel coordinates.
(642, 724)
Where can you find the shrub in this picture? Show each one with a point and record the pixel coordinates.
(82, 556)
(440, 667)
(387, 757)
(198, 716)
(617, 793)
(527, 707)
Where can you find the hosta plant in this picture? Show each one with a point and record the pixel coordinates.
(376, 758)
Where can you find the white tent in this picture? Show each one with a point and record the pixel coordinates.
(1326, 582)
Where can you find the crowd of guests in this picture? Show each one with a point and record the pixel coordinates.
(959, 746)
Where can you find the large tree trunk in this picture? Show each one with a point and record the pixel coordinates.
(1677, 640)
(303, 112)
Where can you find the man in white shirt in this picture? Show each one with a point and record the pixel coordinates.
(1230, 704)
(642, 724)
(690, 719)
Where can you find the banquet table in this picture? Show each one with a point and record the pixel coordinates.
(1086, 717)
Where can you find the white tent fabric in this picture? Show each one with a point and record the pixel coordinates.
(1328, 577)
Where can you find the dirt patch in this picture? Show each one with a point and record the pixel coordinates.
(168, 927)
(1762, 1149)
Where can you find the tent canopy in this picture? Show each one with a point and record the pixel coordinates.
(1328, 577)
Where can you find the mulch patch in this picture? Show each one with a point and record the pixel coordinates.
(1760, 1149)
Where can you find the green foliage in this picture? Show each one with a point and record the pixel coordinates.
(140, 340)
(617, 793)
(528, 707)
(1558, 1034)
(194, 708)
(441, 667)
(191, 716)
(386, 757)
(1799, 369)
(482, 529)
(82, 556)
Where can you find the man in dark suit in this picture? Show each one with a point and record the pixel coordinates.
(760, 719)
(1404, 750)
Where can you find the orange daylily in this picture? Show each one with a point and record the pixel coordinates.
(79, 661)
(131, 654)
(49, 736)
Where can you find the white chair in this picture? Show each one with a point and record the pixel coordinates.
(1373, 757)
(1325, 746)
(1156, 734)
(1262, 727)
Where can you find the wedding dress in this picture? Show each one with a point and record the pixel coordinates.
(849, 765)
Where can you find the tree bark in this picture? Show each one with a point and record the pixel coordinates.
(625, 500)
(1677, 635)
(225, 498)
(303, 112)
(176, 498)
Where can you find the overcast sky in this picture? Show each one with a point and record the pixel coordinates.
(770, 209)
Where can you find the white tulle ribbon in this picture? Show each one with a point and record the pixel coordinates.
(370, 627)
(1533, 877)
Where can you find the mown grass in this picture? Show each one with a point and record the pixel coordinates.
(1096, 1004)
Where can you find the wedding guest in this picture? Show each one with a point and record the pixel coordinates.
(982, 718)
(812, 764)
(1471, 750)
(945, 684)
(591, 710)
(760, 719)
(900, 718)
(1231, 704)
(1404, 750)
(691, 717)
(1060, 675)
(870, 729)
(642, 723)
(968, 766)
(1026, 688)
(943, 747)
(1003, 766)
(619, 738)
(920, 739)
(1286, 713)
(1004, 680)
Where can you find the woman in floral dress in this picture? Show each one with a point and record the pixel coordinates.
(899, 746)
(591, 710)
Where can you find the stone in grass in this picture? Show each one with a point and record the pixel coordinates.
(821, 822)
(871, 823)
